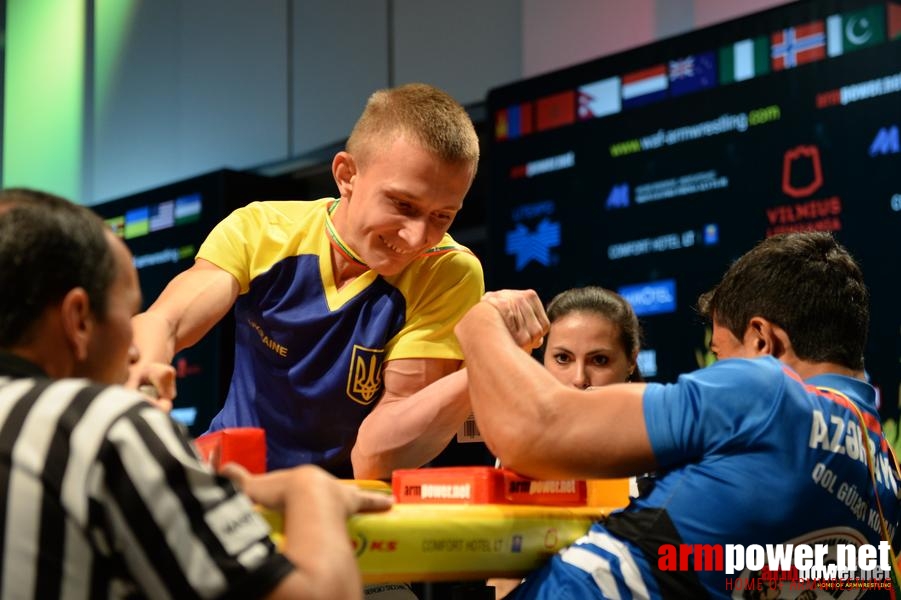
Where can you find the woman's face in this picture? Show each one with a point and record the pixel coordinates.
(584, 349)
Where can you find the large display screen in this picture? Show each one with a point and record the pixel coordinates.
(650, 171)
(164, 228)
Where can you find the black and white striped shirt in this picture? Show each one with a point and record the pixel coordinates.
(103, 496)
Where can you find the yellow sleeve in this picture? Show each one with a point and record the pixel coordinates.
(438, 291)
(250, 240)
(230, 244)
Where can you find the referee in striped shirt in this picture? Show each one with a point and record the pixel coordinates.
(101, 493)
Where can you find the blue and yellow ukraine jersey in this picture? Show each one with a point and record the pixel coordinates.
(309, 357)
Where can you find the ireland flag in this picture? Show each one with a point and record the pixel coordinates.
(853, 30)
(744, 60)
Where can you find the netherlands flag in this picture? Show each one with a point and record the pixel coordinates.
(645, 86)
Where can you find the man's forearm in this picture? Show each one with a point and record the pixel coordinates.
(154, 337)
(408, 432)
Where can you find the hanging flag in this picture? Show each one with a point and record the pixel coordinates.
(795, 46)
(501, 125)
(117, 224)
(894, 20)
(692, 73)
(188, 208)
(744, 60)
(645, 86)
(555, 110)
(853, 30)
(137, 222)
(513, 122)
(162, 215)
(599, 98)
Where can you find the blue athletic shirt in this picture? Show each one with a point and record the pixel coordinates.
(309, 357)
(748, 453)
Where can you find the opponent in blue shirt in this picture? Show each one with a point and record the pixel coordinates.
(764, 447)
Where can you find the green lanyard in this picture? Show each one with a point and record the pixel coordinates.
(336, 242)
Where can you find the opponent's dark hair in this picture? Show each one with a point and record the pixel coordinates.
(806, 283)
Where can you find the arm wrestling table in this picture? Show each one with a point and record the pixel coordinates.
(426, 538)
(459, 542)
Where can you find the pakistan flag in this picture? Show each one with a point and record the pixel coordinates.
(858, 29)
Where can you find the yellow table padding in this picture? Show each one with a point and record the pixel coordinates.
(455, 542)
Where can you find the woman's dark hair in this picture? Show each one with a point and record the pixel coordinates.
(607, 304)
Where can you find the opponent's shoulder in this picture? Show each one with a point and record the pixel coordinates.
(746, 371)
(742, 380)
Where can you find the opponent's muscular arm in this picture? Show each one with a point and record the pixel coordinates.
(533, 423)
(191, 304)
(424, 403)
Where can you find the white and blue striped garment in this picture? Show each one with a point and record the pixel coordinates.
(102, 496)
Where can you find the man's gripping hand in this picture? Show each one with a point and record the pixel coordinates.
(522, 313)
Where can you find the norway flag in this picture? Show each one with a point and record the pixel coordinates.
(798, 45)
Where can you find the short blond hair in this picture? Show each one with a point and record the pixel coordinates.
(423, 112)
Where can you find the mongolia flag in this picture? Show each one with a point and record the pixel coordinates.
(744, 60)
(599, 98)
(513, 122)
(853, 30)
(692, 73)
(555, 110)
(645, 86)
(795, 46)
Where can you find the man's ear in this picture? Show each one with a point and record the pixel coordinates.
(77, 322)
(766, 338)
(344, 170)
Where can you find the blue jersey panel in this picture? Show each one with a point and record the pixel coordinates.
(300, 365)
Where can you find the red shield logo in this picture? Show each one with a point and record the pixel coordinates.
(802, 173)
